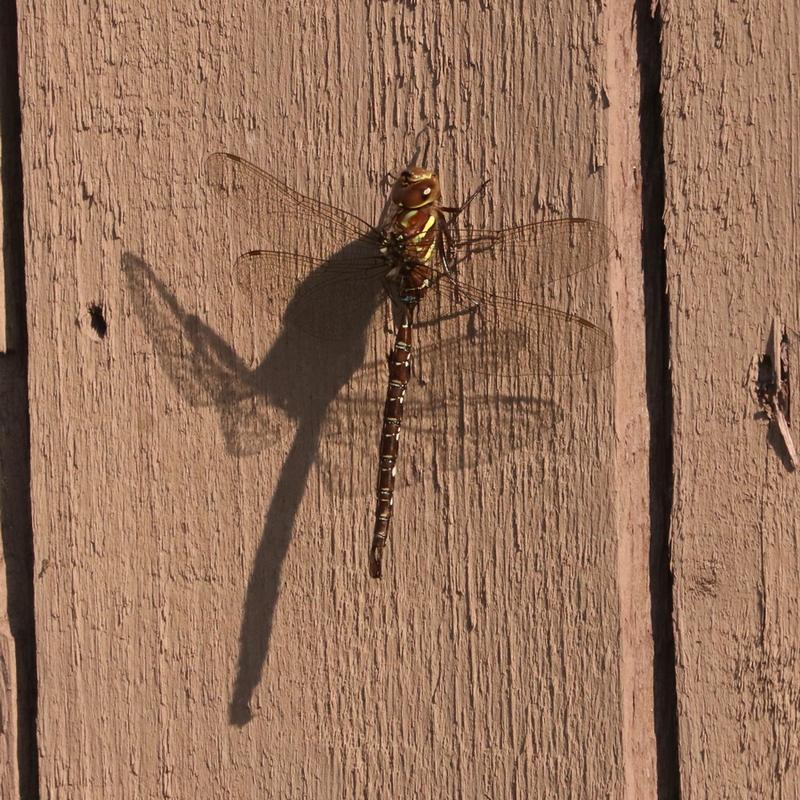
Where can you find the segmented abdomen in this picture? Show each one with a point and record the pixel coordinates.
(399, 374)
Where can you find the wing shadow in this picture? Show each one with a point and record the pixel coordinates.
(298, 378)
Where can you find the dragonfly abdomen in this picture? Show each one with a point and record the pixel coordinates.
(399, 374)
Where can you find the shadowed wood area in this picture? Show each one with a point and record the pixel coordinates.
(18, 752)
(203, 470)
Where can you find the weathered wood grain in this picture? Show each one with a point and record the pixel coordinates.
(631, 140)
(9, 771)
(731, 116)
(206, 626)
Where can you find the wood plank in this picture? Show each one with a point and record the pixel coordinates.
(631, 183)
(9, 771)
(731, 112)
(206, 626)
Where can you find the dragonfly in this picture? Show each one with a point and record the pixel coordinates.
(342, 270)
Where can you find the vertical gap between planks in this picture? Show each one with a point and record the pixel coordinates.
(17, 621)
(659, 395)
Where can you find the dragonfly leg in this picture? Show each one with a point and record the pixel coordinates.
(446, 249)
(447, 253)
(448, 261)
(393, 306)
(456, 211)
(446, 245)
(388, 313)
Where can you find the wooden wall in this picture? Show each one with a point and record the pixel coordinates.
(201, 470)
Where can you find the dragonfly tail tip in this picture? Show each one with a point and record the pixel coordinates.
(375, 554)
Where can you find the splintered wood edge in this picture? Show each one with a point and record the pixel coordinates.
(786, 435)
(775, 342)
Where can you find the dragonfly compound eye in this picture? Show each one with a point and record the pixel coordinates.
(421, 189)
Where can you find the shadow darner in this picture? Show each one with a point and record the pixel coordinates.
(342, 271)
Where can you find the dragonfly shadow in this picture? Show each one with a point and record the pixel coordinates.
(486, 396)
(297, 380)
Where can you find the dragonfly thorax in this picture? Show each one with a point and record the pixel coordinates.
(411, 232)
(410, 237)
(416, 187)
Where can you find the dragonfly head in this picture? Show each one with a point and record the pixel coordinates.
(416, 187)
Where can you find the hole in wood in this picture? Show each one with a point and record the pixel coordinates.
(93, 322)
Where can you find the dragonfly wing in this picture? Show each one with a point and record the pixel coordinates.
(483, 332)
(275, 205)
(477, 331)
(542, 252)
(334, 298)
(441, 430)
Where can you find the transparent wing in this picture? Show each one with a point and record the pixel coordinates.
(328, 296)
(441, 431)
(327, 299)
(490, 334)
(542, 251)
(275, 204)
(461, 326)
